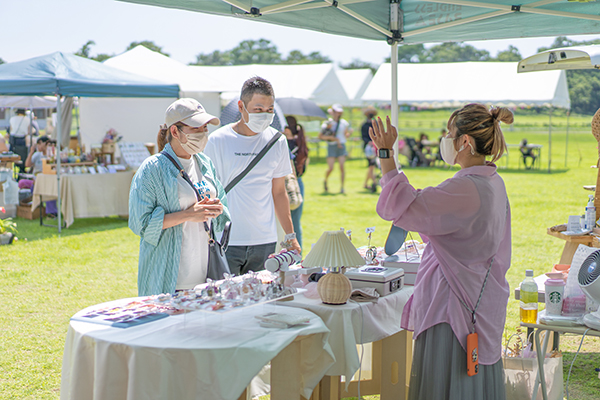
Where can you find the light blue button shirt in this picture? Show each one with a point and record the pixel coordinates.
(153, 194)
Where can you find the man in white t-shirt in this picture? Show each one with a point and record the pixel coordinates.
(335, 131)
(19, 128)
(261, 194)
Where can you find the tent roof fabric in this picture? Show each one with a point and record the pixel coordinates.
(316, 82)
(70, 75)
(151, 64)
(454, 84)
(27, 102)
(420, 22)
(576, 57)
(355, 82)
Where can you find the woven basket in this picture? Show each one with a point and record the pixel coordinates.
(596, 128)
(334, 288)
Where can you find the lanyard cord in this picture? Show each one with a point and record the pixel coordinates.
(473, 318)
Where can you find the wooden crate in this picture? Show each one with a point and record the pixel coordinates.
(27, 213)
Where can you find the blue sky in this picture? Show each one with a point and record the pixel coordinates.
(35, 27)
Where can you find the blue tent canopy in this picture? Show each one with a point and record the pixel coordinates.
(70, 75)
(66, 75)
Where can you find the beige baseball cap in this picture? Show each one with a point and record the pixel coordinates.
(190, 112)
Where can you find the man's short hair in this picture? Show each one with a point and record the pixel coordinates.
(256, 85)
(43, 139)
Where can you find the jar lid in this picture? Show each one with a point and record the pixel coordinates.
(554, 275)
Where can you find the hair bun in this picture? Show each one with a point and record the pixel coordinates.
(502, 114)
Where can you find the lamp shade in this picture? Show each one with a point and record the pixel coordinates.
(333, 249)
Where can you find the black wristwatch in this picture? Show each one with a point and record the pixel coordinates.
(384, 153)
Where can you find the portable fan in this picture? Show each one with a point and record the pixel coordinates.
(589, 281)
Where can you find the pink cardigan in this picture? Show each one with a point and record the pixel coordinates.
(466, 220)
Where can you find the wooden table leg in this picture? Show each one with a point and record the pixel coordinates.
(396, 361)
(285, 373)
(568, 252)
(330, 388)
(244, 395)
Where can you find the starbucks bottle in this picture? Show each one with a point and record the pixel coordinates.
(529, 299)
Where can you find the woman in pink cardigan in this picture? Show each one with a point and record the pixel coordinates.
(466, 221)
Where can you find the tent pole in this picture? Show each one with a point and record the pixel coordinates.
(567, 142)
(58, 145)
(394, 106)
(549, 138)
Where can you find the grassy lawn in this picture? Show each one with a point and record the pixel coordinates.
(46, 278)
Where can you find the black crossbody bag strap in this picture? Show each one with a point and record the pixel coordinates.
(254, 161)
(183, 174)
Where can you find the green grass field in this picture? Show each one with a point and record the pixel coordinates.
(45, 278)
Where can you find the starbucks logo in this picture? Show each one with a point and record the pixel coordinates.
(555, 297)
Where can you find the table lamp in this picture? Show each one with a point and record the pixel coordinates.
(334, 250)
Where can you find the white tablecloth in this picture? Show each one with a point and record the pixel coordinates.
(86, 195)
(354, 323)
(192, 356)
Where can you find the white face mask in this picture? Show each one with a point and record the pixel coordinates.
(449, 153)
(258, 122)
(196, 142)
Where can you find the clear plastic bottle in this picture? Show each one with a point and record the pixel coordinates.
(529, 299)
(590, 214)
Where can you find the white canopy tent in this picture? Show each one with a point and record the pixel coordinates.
(577, 57)
(355, 82)
(316, 82)
(454, 84)
(137, 119)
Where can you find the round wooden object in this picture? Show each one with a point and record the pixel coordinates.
(334, 288)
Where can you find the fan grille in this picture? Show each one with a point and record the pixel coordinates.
(590, 269)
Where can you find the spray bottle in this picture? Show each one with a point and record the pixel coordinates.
(590, 214)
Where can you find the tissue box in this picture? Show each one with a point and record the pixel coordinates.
(384, 279)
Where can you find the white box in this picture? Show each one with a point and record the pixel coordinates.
(408, 262)
(385, 280)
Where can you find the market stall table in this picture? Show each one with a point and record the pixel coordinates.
(86, 195)
(366, 322)
(539, 328)
(197, 355)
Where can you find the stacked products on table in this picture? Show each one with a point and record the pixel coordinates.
(221, 296)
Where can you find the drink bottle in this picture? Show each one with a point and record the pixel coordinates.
(529, 299)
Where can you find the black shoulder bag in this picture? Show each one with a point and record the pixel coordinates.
(254, 161)
(217, 262)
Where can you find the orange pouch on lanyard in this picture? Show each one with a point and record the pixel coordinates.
(472, 354)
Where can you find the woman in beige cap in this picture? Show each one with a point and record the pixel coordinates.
(167, 212)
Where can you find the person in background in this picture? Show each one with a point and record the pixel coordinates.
(438, 155)
(527, 152)
(370, 150)
(335, 131)
(461, 285)
(163, 207)
(19, 128)
(36, 154)
(296, 139)
(260, 196)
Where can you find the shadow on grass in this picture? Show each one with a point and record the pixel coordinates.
(533, 171)
(31, 229)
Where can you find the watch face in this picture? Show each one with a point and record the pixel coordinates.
(384, 153)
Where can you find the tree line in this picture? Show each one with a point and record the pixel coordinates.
(584, 85)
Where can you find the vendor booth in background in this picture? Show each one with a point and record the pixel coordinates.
(66, 76)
